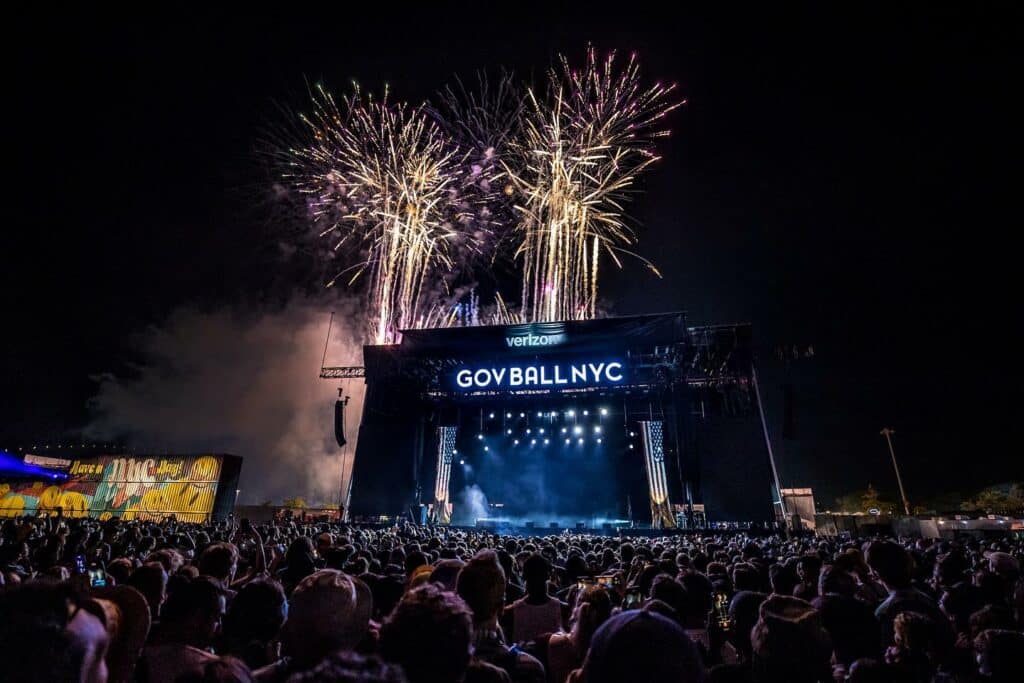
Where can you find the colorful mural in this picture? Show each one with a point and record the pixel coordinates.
(129, 487)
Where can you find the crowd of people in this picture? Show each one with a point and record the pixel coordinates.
(89, 600)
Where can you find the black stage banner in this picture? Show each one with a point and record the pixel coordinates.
(570, 336)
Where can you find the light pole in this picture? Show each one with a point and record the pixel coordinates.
(887, 433)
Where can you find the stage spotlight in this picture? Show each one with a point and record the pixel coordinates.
(480, 437)
(508, 415)
(515, 442)
(487, 448)
(567, 442)
(630, 446)
(571, 413)
(586, 412)
(522, 414)
(541, 430)
(554, 414)
(547, 441)
(599, 440)
(462, 462)
(508, 431)
(540, 414)
(597, 430)
(577, 430)
(491, 416)
(455, 451)
(580, 441)
(563, 430)
(604, 411)
(632, 433)
(533, 442)
(527, 431)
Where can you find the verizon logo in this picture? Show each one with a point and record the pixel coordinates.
(535, 340)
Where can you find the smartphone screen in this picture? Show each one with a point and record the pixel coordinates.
(97, 576)
(722, 610)
(79, 564)
(632, 598)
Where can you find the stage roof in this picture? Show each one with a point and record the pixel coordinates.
(658, 349)
(573, 335)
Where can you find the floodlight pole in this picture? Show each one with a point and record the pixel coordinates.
(887, 433)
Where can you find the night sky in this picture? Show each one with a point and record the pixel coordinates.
(838, 180)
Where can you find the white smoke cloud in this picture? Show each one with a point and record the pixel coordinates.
(243, 382)
(471, 505)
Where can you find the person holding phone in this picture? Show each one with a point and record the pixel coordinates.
(97, 576)
(566, 651)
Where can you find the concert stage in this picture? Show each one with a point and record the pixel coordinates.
(600, 424)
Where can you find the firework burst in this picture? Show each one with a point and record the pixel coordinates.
(417, 201)
(573, 168)
(378, 180)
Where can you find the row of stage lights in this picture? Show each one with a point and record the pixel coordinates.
(551, 414)
(543, 436)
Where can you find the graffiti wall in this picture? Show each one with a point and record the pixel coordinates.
(129, 487)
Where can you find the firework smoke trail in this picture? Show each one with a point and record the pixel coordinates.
(378, 179)
(575, 162)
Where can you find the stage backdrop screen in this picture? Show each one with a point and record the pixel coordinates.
(129, 487)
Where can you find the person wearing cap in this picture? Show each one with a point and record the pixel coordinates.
(328, 612)
(789, 644)
(640, 646)
(1003, 564)
(1007, 568)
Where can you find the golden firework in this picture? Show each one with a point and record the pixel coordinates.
(377, 177)
(576, 160)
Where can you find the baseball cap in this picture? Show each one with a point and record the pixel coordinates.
(640, 646)
(1002, 563)
(332, 606)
